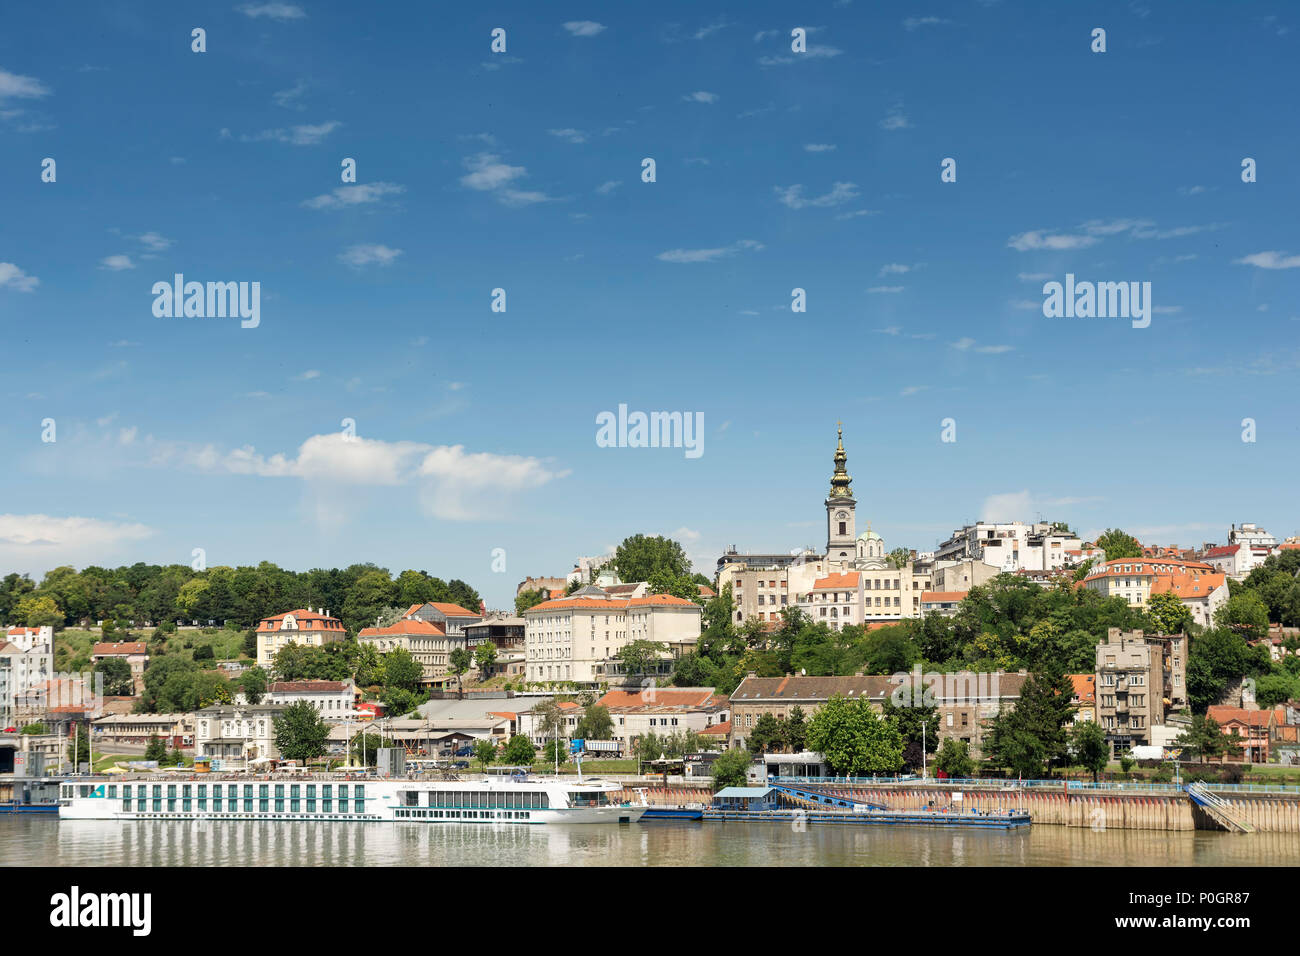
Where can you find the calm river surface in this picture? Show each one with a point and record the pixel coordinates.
(44, 841)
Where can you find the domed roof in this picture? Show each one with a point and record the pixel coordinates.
(869, 535)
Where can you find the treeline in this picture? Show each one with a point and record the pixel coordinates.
(1006, 624)
(241, 596)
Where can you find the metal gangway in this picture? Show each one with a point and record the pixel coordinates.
(1217, 808)
(823, 799)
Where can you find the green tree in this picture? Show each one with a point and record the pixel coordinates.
(458, 663)
(1089, 747)
(954, 759)
(118, 680)
(1117, 544)
(526, 599)
(854, 740)
(300, 732)
(401, 670)
(899, 557)
(484, 752)
(1276, 688)
(39, 612)
(766, 735)
(639, 557)
(363, 748)
(730, 768)
(253, 683)
(918, 726)
(649, 746)
(796, 730)
(1204, 738)
(519, 752)
(155, 749)
(639, 656)
(485, 657)
(596, 724)
(1246, 613)
(1169, 614)
(36, 729)
(1031, 738)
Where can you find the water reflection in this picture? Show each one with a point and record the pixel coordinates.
(44, 841)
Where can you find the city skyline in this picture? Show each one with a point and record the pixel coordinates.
(473, 430)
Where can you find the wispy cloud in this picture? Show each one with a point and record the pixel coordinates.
(840, 193)
(17, 86)
(885, 289)
(369, 254)
(709, 255)
(358, 195)
(1269, 260)
(915, 23)
(970, 345)
(273, 11)
(701, 96)
(303, 135)
(569, 135)
(488, 174)
(116, 263)
(584, 28)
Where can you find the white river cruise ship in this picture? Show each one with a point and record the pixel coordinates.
(487, 799)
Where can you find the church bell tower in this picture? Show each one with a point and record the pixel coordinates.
(840, 533)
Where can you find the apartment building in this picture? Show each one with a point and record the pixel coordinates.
(333, 699)
(22, 672)
(836, 600)
(135, 653)
(305, 626)
(243, 735)
(1252, 731)
(941, 602)
(1140, 680)
(1010, 545)
(26, 638)
(575, 638)
(962, 575)
(662, 711)
(1236, 560)
(1132, 578)
(452, 618)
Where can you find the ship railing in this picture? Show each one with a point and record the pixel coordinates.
(1012, 783)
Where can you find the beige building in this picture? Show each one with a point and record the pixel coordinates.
(962, 575)
(306, 627)
(135, 653)
(574, 639)
(1132, 578)
(1141, 679)
(242, 735)
(425, 641)
(663, 711)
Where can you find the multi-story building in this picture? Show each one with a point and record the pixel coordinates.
(965, 702)
(575, 638)
(452, 618)
(941, 602)
(1140, 680)
(175, 730)
(1251, 535)
(22, 672)
(1132, 578)
(963, 574)
(663, 711)
(1085, 697)
(333, 699)
(427, 642)
(25, 638)
(1236, 560)
(545, 585)
(835, 600)
(243, 735)
(508, 634)
(1010, 545)
(135, 653)
(306, 627)
(1202, 594)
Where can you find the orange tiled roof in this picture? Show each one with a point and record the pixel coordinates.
(452, 610)
(1221, 552)
(942, 597)
(307, 621)
(1253, 718)
(718, 730)
(660, 697)
(610, 604)
(1187, 586)
(1085, 687)
(412, 626)
(125, 647)
(848, 579)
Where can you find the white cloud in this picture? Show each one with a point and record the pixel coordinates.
(885, 288)
(1269, 260)
(290, 99)
(701, 96)
(792, 196)
(1033, 276)
(274, 11)
(1038, 239)
(858, 212)
(16, 86)
(819, 147)
(155, 242)
(569, 135)
(302, 135)
(488, 174)
(117, 263)
(1012, 506)
(913, 23)
(894, 268)
(896, 119)
(368, 253)
(14, 278)
(970, 345)
(708, 255)
(344, 196)
(308, 375)
(37, 542)
(608, 187)
(913, 389)
(812, 53)
(584, 28)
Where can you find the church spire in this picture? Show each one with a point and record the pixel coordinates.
(840, 480)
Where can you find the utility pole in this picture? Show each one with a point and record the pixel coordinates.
(923, 765)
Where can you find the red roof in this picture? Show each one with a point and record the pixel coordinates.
(610, 604)
(943, 597)
(848, 579)
(660, 697)
(412, 626)
(119, 649)
(452, 610)
(1085, 687)
(1222, 551)
(306, 620)
(307, 686)
(1253, 718)
(1187, 586)
(718, 730)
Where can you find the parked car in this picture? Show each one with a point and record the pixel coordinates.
(465, 752)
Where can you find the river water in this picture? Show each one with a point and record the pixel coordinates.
(45, 841)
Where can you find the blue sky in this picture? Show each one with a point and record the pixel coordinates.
(521, 171)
